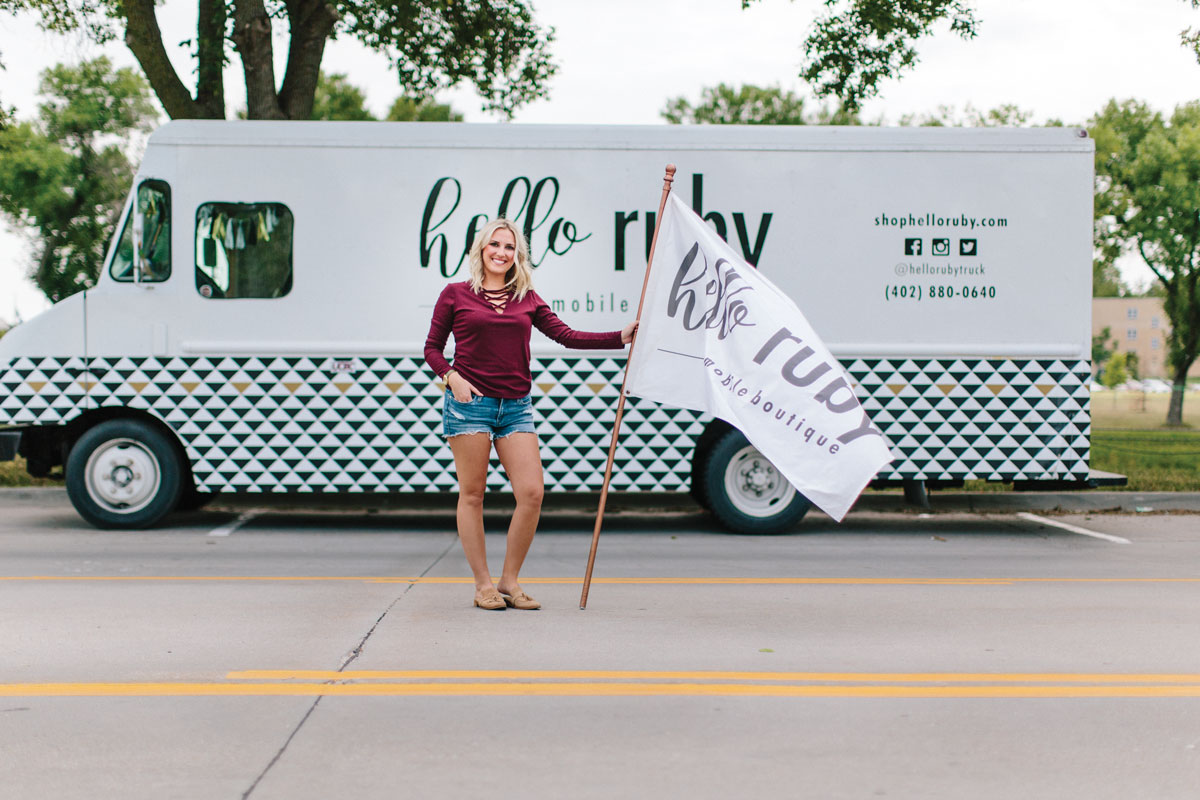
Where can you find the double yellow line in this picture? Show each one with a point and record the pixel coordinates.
(659, 581)
(643, 683)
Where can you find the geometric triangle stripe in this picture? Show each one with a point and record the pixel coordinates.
(294, 424)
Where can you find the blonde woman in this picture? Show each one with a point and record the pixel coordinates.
(487, 400)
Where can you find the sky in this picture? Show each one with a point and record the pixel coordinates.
(621, 60)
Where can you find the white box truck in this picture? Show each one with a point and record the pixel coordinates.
(259, 320)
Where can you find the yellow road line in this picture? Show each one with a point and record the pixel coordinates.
(680, 581)
(544, 581)
(579, 690)
(712, 675)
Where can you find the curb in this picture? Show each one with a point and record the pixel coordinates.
(673, 504)
(1046, 502)
(42, 493)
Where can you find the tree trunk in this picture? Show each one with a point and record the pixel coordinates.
(210, 52)
(311, 22)
(144, 39)
(1178, 387)
(252, 38)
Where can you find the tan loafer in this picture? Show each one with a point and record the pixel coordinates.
(521, 601)
(490, 600)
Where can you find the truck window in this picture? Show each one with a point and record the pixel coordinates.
(243, 250)
(153, 209)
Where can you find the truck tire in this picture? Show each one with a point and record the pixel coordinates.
(123, 474)
(699, 488)
(745, 491)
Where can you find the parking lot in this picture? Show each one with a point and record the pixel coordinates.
(311, 654)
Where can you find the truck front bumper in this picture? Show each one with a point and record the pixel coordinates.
(9, 442)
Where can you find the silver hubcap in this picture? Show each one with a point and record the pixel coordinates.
(754, 486)
(122, 476)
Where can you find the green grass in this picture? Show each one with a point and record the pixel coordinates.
(986, 486)
(12, 473)
(1154, 460)
(1140, 410)
(1130, 436)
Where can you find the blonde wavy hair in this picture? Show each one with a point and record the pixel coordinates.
(519, 278)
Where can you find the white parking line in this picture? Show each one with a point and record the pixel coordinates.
(225, 530)
(1072, 528)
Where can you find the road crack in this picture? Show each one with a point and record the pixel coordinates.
(350, 658)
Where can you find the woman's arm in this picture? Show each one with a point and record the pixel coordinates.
(435, 348)
(439, 333)
(548, 323)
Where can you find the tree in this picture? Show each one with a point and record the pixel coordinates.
(1152, 289)
(752, 105)
(1007, 115)
(1106, 279)
(1132, 362)
(415, 109)
(1100, 351)
(493, 44)
(337, 98)
(1114, 371)
(65, 176)
(1148, 202)
(1189, 37)
(858, 44)
(8, 114)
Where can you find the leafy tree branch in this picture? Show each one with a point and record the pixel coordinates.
(64, 176)
(858, 44)
(495, 45)
(752, 105)
(1148, 202)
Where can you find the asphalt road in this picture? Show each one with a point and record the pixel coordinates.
(317, 655)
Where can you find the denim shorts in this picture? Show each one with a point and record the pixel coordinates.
(497, 417)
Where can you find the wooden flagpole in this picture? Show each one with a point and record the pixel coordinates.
(612, 448)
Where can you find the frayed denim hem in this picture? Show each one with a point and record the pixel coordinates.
(510, 433)
(491, 436)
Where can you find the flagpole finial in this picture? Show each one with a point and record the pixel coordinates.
(669, 177)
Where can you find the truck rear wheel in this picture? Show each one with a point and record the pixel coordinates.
(746, 492)
(123, 474)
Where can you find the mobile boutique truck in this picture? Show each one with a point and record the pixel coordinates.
(258, 323)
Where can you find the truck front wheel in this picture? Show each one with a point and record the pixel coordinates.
(746, 492)
(123, 474)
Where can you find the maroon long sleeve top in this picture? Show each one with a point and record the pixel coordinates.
(491, 350)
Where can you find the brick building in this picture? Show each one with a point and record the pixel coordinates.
(1139, 325)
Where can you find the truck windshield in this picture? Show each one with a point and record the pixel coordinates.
(153, 207)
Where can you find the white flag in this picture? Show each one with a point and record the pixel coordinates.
(717, 336)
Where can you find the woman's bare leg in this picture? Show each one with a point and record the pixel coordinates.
(522, 462)
(471, 453)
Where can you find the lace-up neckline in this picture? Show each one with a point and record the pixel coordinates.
(496, 298)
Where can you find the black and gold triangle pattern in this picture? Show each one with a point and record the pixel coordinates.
(297, 424)
(990, 419)
(42, 391)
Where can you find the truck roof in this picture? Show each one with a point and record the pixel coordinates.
(409, 135)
